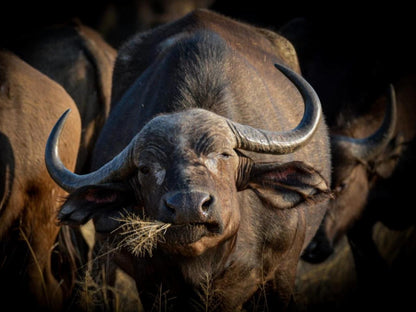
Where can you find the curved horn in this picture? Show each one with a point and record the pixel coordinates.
(248, 138)
(263, 141)
(118, 167)
(371, 146)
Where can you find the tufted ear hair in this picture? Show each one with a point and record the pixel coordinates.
(287, 185)
(105, 204)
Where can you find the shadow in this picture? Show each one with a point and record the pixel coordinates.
(7, 167)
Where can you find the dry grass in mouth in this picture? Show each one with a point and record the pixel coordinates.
(140, 236)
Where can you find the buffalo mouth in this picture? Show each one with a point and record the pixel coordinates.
(184, 234)
(141, 236)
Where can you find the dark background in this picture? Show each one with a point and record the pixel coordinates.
(383, 29)
(375, 39)
(391, 18)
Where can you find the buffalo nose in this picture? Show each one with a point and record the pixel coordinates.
(188, 207)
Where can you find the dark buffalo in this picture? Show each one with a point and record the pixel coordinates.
(359, 161)
(372, 144)
(78, 58)
(369, 187)
(30, 102)
(182, 153)
(370, 133)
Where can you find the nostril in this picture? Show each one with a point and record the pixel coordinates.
(186, 207)
(170, 207)
(206, 203)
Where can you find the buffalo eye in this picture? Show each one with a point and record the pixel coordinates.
(225, 155)
(214, 156)
(144, 169)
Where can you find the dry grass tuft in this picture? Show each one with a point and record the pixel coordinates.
(207, 294)
(92, 294)
(95, 294)
(38, 267)
(140, 236)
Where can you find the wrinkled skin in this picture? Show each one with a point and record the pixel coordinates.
(32, 268)
(239, 220)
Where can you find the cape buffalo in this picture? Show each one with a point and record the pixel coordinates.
(30, 102)
(77, 57)
(359, 160)
(216, 144)
(372, 145)
(371, 132)
(368, 180)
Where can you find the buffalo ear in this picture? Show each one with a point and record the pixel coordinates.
(287, 185)
(103, 203)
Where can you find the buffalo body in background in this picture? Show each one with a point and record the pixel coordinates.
(32, 268)
(372, 145)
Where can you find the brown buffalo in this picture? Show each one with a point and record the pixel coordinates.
(203, 206)
(30, 102)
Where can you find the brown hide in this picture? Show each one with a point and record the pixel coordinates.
(81, 61)
(30, 102)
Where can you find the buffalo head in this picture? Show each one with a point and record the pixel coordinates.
(356, 164)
